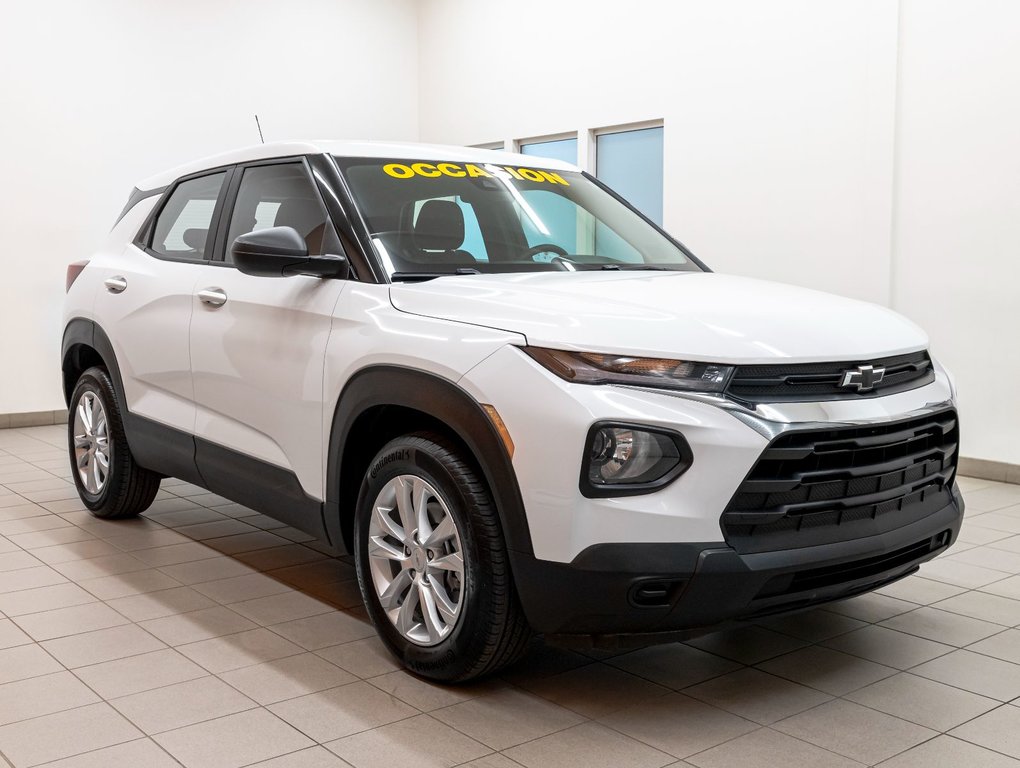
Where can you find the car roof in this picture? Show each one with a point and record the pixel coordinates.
(396, 151)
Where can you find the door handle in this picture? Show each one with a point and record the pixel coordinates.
(115, 284)
(214, 297)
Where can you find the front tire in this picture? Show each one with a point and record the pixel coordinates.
(111, 485)
(432, 562)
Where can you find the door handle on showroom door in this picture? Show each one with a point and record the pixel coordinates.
(115, 284)
(214, 297)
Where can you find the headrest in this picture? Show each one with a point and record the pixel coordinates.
(302, 214)
(440, 226)
(195, 238)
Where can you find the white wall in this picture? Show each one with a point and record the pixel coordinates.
(97, 95)
(863, 148)
(957, 234)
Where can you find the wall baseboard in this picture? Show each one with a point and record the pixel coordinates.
(982, 469)
(1001, 471)
(32, 419)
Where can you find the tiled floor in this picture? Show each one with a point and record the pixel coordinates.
(206, 635)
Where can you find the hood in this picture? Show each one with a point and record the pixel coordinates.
(688, 315)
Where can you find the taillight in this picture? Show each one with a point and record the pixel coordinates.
(73, 270)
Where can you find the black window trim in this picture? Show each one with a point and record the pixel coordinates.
(218, 253)
(350, 224)
(136, 196)
(143, 240)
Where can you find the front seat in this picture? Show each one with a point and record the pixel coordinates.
(439, 233)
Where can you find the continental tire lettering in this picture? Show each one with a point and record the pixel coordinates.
(445, 659)
(427, 170)
(451, 169)
(398, 171)
(401, 454)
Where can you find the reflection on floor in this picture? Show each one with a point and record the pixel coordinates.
(208, 636)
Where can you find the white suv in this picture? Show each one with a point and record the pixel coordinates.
(517, 402)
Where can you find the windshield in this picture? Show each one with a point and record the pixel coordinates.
(429, 218)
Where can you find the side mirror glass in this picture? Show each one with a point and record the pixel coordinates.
(282, 252)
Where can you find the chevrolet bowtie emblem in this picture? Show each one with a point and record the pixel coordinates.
(863, 377)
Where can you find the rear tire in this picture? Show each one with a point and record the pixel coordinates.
(111, 485)
(442, 598)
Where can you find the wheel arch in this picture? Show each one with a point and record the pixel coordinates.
(84, 345)
(385, 401)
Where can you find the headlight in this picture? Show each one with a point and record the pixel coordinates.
(596, 368)
(625, 459)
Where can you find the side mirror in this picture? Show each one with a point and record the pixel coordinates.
(282, 252)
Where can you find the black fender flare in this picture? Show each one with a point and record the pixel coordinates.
(441, 399)
(80, 331)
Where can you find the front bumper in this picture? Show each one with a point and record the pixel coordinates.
(630, 594)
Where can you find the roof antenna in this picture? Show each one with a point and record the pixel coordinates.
(259, 126)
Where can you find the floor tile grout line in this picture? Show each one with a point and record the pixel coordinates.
(144, 737)
(94, 749)
(910, 670)
(982, 746)
(296, 751)
(998, 703)
(935, 731)
(111, 702)
(821, 704)
(914, 746)
(923, 637)
(781, 733)
(758, 726)
(584, 720)
(73, 670)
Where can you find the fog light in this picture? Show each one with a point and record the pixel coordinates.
(624, 459)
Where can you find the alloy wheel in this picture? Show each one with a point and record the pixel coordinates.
(93, 451)
(416, 560)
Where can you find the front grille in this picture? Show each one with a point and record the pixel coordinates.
(813, 487)
(821, 381)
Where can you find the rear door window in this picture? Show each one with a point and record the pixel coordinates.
(182, 228)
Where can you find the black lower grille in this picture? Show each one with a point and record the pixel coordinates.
(831, 575)
(814, 487)
(824, 381)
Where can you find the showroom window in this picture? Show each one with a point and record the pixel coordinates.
(281, 195)
(630, 162)
(560, 216)
(557, 149)
(182, 227)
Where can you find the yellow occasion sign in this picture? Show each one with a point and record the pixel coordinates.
(469, 170)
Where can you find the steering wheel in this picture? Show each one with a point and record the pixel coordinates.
(543, 248)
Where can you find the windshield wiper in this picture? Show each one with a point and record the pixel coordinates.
(636, 267)
(417, 277)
